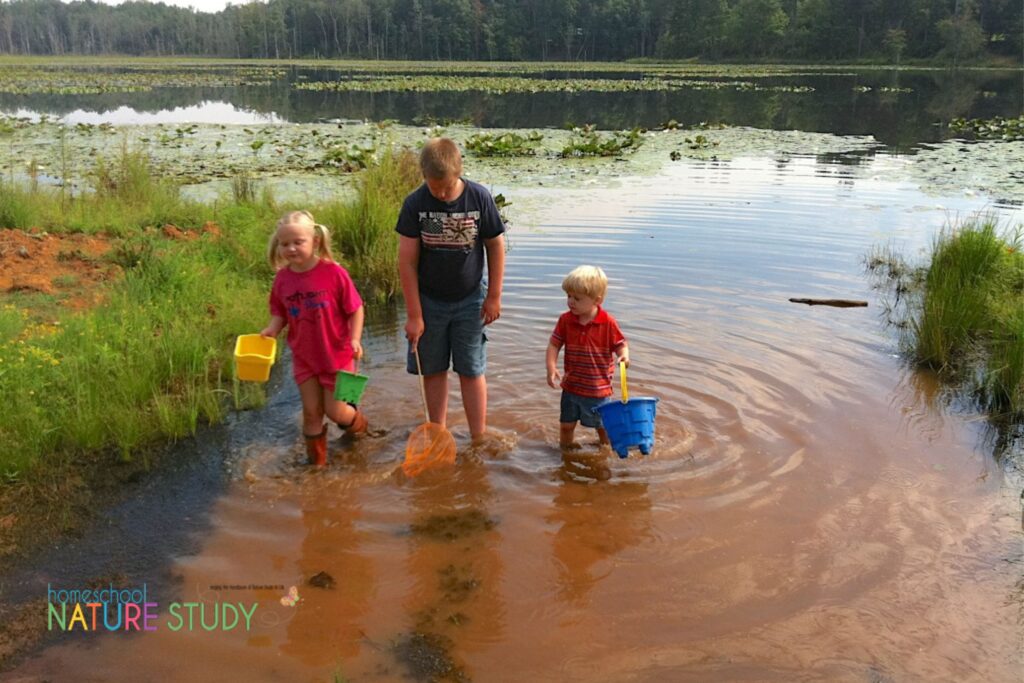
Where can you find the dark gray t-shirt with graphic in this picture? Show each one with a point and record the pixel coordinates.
(451, 238)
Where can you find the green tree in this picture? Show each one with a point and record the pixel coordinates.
(756, 27)
(694, 28)
(961, 35)
(895, 43)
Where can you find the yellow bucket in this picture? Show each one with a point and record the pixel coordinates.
(254, 354)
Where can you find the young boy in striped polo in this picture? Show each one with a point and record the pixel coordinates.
(592, 341)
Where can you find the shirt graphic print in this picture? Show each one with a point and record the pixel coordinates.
(450, 231)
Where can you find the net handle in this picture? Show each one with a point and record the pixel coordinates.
(423, 389)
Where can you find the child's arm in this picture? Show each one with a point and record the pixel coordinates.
(274, 327)
(623, 353)
(495, 277)
(552, 363)
(355, 331)
(408, 273)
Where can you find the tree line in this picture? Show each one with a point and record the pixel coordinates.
(569, 30)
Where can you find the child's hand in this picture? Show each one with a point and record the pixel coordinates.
(491, 310)
(414, 330)
(553, 378)
(624, 357)
(357, 349)
(268, 332)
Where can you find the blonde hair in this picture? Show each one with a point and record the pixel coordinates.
(586, 280)
(440, 158)
(320, 233)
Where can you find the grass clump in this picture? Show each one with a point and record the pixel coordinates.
(963, 313)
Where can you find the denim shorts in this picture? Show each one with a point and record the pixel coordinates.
(576, 408)
(453, 335)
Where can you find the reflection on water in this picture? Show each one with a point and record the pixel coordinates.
(850, 103)
(594, 523)
(328, 621)
(809, 512)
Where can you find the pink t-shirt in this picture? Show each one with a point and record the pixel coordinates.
(316, 306)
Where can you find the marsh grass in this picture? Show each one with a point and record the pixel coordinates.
(963, 313)
(153, 360)
(149, 363)
(125, 196)
(364, 229)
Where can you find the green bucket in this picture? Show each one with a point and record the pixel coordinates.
(349, 387)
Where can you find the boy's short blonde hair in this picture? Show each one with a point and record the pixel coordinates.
(304, 218)
(440, 158)
(586, 280)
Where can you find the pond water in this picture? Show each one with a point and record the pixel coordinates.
(898, 107)
(812, 510)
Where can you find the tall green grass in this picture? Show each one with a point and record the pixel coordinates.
(970, 322)
(125, 196)
(153, 360)
(364, 229)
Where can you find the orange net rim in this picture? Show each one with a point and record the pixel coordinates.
(429, 445)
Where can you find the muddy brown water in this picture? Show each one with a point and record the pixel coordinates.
(812, 509)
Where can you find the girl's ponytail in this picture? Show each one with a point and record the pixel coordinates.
(324, 234)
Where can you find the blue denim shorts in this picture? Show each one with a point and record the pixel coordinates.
(576, 408)
(453, 335)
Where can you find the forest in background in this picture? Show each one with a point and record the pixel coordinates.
(890, 31)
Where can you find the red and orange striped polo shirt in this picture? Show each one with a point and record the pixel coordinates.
(589, 352)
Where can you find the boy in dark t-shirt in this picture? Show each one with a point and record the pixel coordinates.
(447, 226)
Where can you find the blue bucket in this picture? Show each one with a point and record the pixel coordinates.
(629, 423)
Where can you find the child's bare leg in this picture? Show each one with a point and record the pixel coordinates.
(312, 396)
(602, 436)
(565, 434)
(436, 386)
(313, 428)
(346, 416)
(474, 399)
(338, 412)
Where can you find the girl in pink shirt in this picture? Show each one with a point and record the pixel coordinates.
(317, 301)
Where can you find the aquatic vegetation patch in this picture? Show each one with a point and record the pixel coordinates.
(428, 657)
(453, 526)
(700, 142)
(504, 144)
(89, 80)
(700, 84)
(588, 142)
(495, 85)
(996, 128)
(457, 583)
(350, 157)
(646, 68)
(953, 167)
